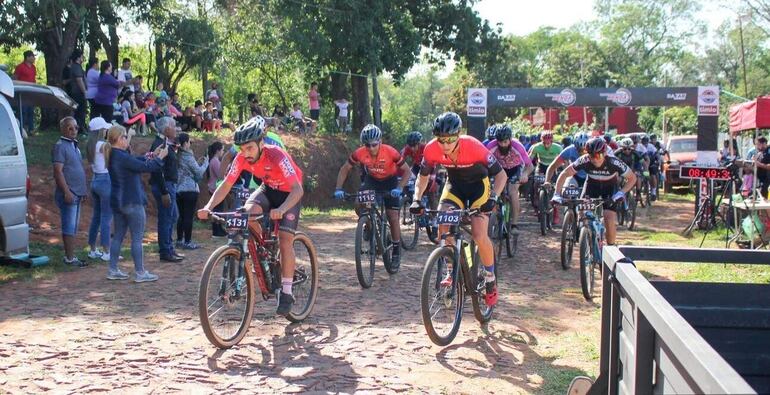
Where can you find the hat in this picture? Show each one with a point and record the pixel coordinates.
(98, 123)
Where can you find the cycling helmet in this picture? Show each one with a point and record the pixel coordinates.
(635, 138)
(653, 137)
(626, 143)
(370, 133)
(607, 138)
(645, 139)
(595, 146)
(535, 137)
(546, 135)
(524, 139)
(447, 124)
(491, 132)
(413, 138)
(566, 141)
(580, 140)
(252, 130)
(504, 132)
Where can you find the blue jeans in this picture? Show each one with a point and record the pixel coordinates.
(167, 217)
(28, 118)
(70, 213)
(102, 214)
(129, 218)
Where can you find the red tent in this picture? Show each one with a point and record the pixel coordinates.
(575, 116)
(624, 119)
(551, 118)
(750, 115)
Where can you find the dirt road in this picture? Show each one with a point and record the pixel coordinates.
(81, 333)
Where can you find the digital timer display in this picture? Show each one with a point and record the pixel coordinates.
(711, 173)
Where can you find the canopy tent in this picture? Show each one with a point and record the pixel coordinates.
(751, 115)
(624, 120)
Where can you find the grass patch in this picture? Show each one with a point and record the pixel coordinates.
(55, 253)
(315, 213)
(714, 239)
(38, 147)
(678, 197)
(556, 379)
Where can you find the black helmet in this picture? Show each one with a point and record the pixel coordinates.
(413, 138)
(653, 137)
(635, 138)
(491, 132)
(370, 133)
(252, 130)
(596, 145)
(504, 132)
(607, 138)
(447, 124)
(566, 141)
(645, 139)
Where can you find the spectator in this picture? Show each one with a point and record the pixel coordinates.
(71, 189)
(210, 119)
(107, 91)
(149, 107)
(92, 85)
(315, 107)
(190, 174)
(78, 87)
(131, 114)
(215, 175)
(128, 199)
(254, 106)
(163, 185)
(300, 119)
(762, 159)
(342, 118)
(100, 189)
(160, 91)
(27, 72)
(175, 102)
(214, 95)
(197, 114)
(125, 76)
(138, 80)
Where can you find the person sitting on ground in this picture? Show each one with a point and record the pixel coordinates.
(197, 114)
(254, 106)
(210, 121)
(300, 120)
(131, 114)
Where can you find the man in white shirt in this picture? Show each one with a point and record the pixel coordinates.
(125, 76)
(342, 118)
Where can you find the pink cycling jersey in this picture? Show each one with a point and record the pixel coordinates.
(515, 156)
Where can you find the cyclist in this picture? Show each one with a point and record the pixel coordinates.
(610, 142)
(602, 171)
(654, 165)
(382, 165)
(516, 163)
(279, 195)
(631, 157)
(570, 155)
(469, 165)
(413, 150)
(566, 141)
(545, 151)
(489, 135)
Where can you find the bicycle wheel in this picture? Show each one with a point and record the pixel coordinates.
(631, 213)
(568, 239)
(432, 232)
(387, 249)
(511, 240)
(225, 297)
(305, 286)
(441, 305)
(587, 279)
(366, 252)
(495, 230)
(476, 272)
(410, 229)
(543, 212)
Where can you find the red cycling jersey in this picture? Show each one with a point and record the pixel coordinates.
(474, 161)
(384, 166)
(415, 154)
(275, 168)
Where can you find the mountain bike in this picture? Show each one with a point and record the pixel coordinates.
(569, 226)
(643, 192)
(627, 212)
(544, 208)
(451, 271)
(248, 267)
(500, 224)
(372, 236)
(591, 241)
(411, 223)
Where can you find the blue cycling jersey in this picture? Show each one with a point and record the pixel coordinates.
(570, 155)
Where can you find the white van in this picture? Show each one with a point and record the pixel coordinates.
(14, 180)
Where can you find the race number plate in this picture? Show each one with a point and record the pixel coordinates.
(448, 218)
(236, 221)
(539, 179)
(365, 197)
(571, 193)
(243, 194)
(585, 207)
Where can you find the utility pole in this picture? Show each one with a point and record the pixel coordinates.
(606, 110)
(743, 56)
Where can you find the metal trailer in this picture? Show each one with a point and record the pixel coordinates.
(660, 337)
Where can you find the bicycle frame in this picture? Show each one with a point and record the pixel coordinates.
(458, 249)
(593, 220)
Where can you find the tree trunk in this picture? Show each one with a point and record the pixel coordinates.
(339, 87)
(376, 103)
(361, 114)
(56, 49)
(204, 79)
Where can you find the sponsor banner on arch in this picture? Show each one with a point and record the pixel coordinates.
(708, 101)
(591, 97)
(477, 102)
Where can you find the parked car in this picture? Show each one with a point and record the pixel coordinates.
(681, 150)
(14, 179)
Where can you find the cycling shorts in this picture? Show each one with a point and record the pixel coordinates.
(466, 195)
(654, 169)
(604, 190)
(416, 169)
(268, 198)
(513, 172)
(542, 168)
(384, 187)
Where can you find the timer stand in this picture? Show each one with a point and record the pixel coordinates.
(706, 216)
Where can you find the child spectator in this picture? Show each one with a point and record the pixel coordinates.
(210, 121)
(131, 114)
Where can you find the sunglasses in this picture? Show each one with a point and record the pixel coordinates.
(627, 149)
(372, 145)
(447, 140)
(597, 155)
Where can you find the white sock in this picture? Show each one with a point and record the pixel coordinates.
(286, 285)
